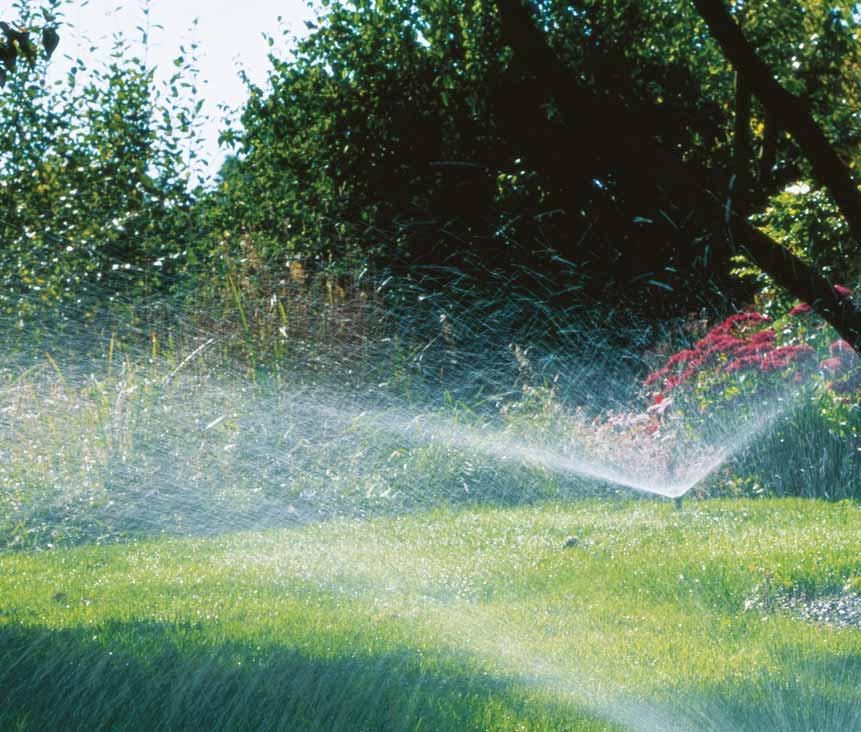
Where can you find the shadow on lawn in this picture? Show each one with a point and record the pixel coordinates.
(807, 694)
(814, 693)
(147, 675)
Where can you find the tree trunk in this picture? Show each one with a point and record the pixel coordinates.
(530, 47)
(789, 111)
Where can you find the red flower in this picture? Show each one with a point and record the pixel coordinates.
(781, 357)
(742, 363)
(766, 359)
(673, 382)
(718, 343)
(835, 363)
(659, 398)
(682, 356)
(653, 377)
(843, 291)
(840, 346)
(800, 309)
(751, 349)
(797, 351)
(726, 339)
(764, 336)
(738, 319)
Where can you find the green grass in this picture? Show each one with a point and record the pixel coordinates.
(449, 620)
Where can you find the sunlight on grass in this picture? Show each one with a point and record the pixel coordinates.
(462, 619)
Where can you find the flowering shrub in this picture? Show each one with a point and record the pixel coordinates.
(730, 347)
(746, 364)
(741, 344)
(755, 404)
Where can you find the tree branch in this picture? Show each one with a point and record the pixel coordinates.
(768, 154)
(789, 111)
(789, 271)
(740, 193)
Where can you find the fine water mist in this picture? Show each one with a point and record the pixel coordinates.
(569, 457)
(121, 427)
(118, 428)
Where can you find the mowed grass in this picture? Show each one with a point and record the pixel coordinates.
(449, 620)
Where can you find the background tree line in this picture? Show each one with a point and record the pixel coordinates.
(600, 143)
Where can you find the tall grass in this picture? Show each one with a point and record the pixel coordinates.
(281, 400)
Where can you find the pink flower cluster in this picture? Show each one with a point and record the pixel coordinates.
(845, 378)
(732, 348)
(775, 359)
(801, 309)
(841, 357)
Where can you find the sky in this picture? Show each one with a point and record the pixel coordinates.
(229, 34)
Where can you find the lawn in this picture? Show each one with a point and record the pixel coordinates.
(478, 618)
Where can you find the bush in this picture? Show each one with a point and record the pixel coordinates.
(794, 375)
(94, 183)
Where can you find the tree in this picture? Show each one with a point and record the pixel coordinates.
(789, 112)
(94, 192)
(531, 46)
(404, 132)
(597, 142)
(371, 141)
(17, 42)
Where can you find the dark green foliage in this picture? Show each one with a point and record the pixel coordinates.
(408, 132)
(367, 143)
(399, 133)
